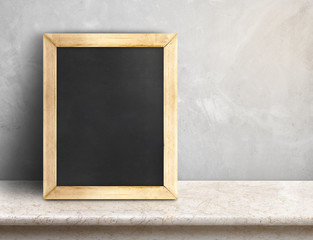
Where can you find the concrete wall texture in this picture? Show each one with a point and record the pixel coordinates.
(245, 80)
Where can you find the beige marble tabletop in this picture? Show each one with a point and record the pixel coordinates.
(199, 203)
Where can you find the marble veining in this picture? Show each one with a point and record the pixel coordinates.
(208, 203)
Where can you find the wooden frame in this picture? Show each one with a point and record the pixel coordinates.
(50, 44)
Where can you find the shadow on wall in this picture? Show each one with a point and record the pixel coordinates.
(21, 108)
(21, 104)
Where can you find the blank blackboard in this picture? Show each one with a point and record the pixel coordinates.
(110, 116)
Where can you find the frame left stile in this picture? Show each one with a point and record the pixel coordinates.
(50, 43)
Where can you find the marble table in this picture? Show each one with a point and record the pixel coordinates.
(199, 203)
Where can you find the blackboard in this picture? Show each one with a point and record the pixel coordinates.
(110, 116)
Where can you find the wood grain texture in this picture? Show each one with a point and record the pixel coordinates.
(110, 40)
(105, 192)
(170, 116)
(51, 42)
(49, 116)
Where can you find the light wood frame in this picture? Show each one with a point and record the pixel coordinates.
(50, 43)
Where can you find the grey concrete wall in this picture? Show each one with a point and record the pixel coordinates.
(245, 80)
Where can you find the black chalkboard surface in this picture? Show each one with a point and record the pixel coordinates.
(110, 116)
